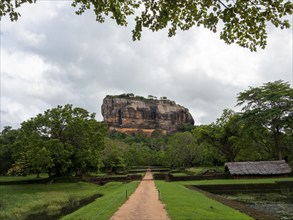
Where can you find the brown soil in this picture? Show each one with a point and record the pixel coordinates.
(143, 204)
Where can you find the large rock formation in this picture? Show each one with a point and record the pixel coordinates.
(130, 114)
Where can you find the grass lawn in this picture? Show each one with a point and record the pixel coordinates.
(104, 207)
(19, 201)
(183, 203)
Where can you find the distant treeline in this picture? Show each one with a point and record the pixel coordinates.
(66, 141)
(135, 97)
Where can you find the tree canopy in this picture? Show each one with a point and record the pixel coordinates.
(223, 136)
(8, 138)
(241, 22)
(269, 108)
(61, 141)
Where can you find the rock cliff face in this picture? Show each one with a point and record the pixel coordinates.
(132, 114)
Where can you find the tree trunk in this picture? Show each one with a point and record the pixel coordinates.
(280, 155)
(49, 173)
(278, 152)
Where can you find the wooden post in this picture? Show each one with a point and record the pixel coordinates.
(159, 194)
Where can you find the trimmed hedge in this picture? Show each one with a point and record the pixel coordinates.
(44, 181)
(170, 177)
(105, 179)
(253, 188)
(100, 180)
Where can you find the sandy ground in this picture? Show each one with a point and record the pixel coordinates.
(143, 204)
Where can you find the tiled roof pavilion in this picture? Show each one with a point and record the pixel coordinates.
(277, 167)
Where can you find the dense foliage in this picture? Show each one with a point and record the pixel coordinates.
(241, 22)
(8, 148)
(136, 97)
(67, 140)
(62, 141)
(269, 109)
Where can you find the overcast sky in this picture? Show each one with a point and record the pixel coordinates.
(51, 57)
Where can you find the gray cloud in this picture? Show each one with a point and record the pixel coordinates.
(55, 57)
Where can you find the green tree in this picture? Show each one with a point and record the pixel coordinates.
(223, 136)
(113, 156)
(139, 154)
(241, 22)
(63, 140)
(139, 150)
(208, 155)
(288, 148)
(268, 109)
(21, 167)
(8, 148)
(256, 142)
(40, 159)
(160, 158)
(185, 127)
(183, 150)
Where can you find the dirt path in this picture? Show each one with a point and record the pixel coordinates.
(143, 204)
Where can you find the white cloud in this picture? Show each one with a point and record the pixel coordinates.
(32, 14)
(23, 65)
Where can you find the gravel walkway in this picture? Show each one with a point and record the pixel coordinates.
(143, 204)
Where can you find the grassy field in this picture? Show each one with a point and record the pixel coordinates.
(183, 203)
(103, 208)
(19, 201)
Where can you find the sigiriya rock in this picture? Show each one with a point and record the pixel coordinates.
(130, 114)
